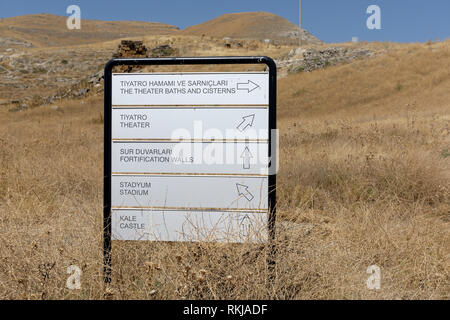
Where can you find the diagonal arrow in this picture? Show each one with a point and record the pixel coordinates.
(249, 86)
(243, 191)
(246, 155)
(247, 122)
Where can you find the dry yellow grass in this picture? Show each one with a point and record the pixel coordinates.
(248, 25)
(47, 30)
(364, 176)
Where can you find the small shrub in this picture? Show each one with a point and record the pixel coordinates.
(298, 69)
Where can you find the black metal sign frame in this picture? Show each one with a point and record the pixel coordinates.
(107, 244)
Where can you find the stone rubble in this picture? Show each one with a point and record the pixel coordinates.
(74, 89)
(8, 42)
(307, 60)
(131, 48)
(14, 67)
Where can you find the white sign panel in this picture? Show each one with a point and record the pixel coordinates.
(189, 156)
(200, 123)
(191, 225)
(194, 89)
(203, 192)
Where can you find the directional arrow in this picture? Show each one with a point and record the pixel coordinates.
(244, 218)
(247, 122)
(245, 224)
(243, 191)
(249, 86)
(246, 155)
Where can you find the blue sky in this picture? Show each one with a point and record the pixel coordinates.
(329, 20)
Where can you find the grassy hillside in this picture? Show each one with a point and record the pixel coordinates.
(46, 30)
(364, 180)
(41, 72)
(251, 25)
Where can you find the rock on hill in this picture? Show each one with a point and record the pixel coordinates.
(252, 25)
(46, 30)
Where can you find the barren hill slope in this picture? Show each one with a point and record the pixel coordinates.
(251, 25)
(43, 30)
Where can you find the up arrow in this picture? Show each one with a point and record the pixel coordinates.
(249, 86)
(243, 191)
(247, 122)
(246, 155)
(245, 218)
